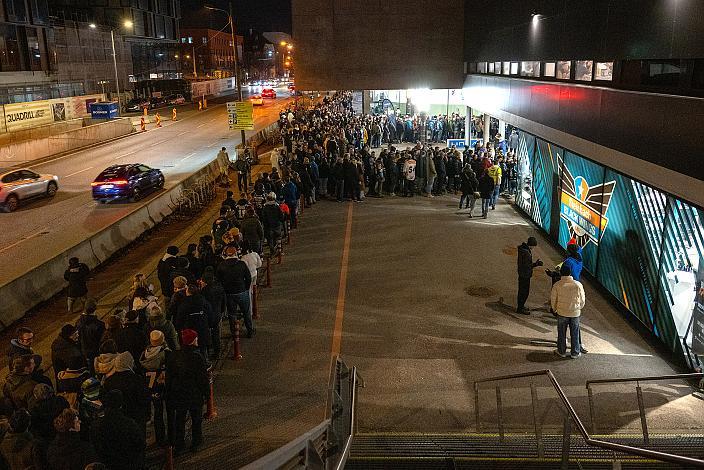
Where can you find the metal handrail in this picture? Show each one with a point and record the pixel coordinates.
(353, 420)
(651, 378)
(583, 430)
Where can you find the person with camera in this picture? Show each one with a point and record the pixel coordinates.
(525, 272)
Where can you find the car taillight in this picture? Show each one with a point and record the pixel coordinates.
(98, 183)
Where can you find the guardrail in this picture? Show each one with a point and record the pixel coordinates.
(571, 416)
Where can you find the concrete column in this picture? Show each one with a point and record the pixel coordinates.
(487, 128)
(502, 128)
(366, 101)
(468, 127)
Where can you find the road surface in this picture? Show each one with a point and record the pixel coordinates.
(41, 229)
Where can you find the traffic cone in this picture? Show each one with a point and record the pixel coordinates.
(237, 355)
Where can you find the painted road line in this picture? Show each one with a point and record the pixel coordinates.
(187, 156)
(181, 133)
(125, 155)
(201, 125)
(79, 171)
(342, 288)
(157, 143)
(34, 235)
(212, 144)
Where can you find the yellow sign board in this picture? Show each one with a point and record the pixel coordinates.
(240, 115)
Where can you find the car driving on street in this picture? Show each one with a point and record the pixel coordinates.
(22, 184)
(268, 93)
(131, 181)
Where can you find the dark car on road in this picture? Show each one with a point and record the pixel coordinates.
(137, 105)
(157, 103)
(131, 181)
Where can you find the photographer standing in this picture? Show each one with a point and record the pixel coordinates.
(525, 272)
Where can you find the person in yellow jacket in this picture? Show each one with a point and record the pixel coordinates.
(496, 174)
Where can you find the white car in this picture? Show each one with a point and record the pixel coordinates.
(22, 184)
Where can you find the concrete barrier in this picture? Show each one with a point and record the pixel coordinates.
(22, 152)
(43, 282)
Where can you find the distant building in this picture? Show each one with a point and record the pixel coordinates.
(259, 56)
(208, 53)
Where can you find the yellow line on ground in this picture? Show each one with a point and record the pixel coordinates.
(342, 288)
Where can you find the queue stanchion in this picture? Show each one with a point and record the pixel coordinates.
(255, 303)
(169, 464)
(211, 411)
(301, 204)
(237, 354)
(288, 232)
(268, 271)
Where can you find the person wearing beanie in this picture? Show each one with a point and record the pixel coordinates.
(135, 393)
(187, 388)
(104, 363)
(179, 294)
(158, 322)
(90, 407)
(164, 269)
(68, 451)
(525, 272)
(17, 447)
(133, 337)
(153, 361)
(273, 222)
(47, 406)
(65, 348)
(117, 439)
(90, 330)
(567, 300)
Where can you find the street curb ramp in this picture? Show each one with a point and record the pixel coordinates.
(46, 280)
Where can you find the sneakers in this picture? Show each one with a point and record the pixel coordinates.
(562, 355)
(575, 356)
(583, 350)
(523, 311)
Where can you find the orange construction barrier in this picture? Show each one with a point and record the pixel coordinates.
(173, 114)
(142, 124)
(237, 354)
(211, 412)
(144, 111)
(200, 106)
(205, 102)
(158, 119)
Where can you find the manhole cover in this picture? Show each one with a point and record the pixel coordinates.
(510, 250)
(480, 291)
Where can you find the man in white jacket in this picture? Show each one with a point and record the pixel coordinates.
(567, 299)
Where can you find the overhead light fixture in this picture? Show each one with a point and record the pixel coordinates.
(92, 26)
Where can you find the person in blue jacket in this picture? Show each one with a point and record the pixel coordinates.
(290, 194)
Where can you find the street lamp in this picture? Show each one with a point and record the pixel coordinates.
(126, 24)
(234, 49)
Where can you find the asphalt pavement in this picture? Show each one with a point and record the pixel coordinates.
(40, 229)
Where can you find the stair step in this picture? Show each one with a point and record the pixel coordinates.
(496, 464)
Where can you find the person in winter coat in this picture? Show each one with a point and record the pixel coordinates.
(567, 300)
(187, 388)
(68, 451)
(252, 230)
(65, 348)
(133, 389)
(118, 440)
(193, 313)
(157, 321)
(19, 386)
(153, 362)
(21, 345)
(216, 296)
(133, 337)
(291, 194)
(469, 185)
(104, 363)
(273, 219)
(486, 190)
(47, 406)
(18, 445)
(166, 265)
(236, 279)
(496, 174)
(525, 272)
(77, 277)
(574, 260)
(90, 330)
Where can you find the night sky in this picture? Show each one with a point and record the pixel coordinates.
(261, 15)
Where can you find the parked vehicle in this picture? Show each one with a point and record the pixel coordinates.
(137, 105)
(132, 181)
(176, 99)
(20, 185)
(157, 103)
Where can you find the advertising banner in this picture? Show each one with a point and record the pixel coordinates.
(20, 116)
(240, 115)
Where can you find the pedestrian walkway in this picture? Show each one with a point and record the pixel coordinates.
(421, 318)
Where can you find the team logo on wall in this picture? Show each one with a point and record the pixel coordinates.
(582, 206)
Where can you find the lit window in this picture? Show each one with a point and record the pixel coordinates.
(583, 70)
(481, 67)
(497, 67)
(549, 69)
(530, 69)
(564, 68)
(604, 71)
(514, 68)
(491, 67)
(205, 40)
(190, 40)
(507, 68)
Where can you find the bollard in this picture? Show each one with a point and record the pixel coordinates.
(268, 271)
(255, 304)
(211, 412)
(301, 204)
(200, 106)
(158, 119)
(145, 111)
(288, 233)
(169, 465)
(279, 254)
(237, 355)
(142, 124)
